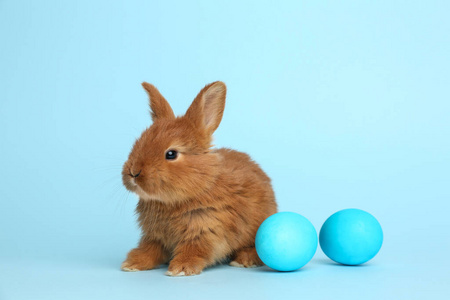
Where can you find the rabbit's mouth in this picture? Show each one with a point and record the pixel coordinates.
(133, 182)
(143, 194)
(133, 186)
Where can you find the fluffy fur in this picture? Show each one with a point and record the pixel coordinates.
(203, 207)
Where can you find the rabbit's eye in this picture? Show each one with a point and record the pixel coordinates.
(171, 154)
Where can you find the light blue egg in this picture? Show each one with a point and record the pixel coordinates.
(286, 241)
(351, 237)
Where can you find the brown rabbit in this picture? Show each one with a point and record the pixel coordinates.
(197, 205)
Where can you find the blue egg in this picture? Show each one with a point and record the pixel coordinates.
(286, 241)
(351, 237)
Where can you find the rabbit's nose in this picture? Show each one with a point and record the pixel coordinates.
(135, 175)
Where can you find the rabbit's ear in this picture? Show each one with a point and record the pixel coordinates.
(160, 108)
(206, 110)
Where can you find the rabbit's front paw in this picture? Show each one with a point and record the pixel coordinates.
(246, 258)
(136, 263)
(131, 267)
(145, 257)
(189, 267)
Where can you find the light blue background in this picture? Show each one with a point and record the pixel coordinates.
(344, 104)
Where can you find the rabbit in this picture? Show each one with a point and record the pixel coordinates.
(198, 206)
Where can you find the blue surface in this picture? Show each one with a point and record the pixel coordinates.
(286, 241)
(344, 104)
(351, 236)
